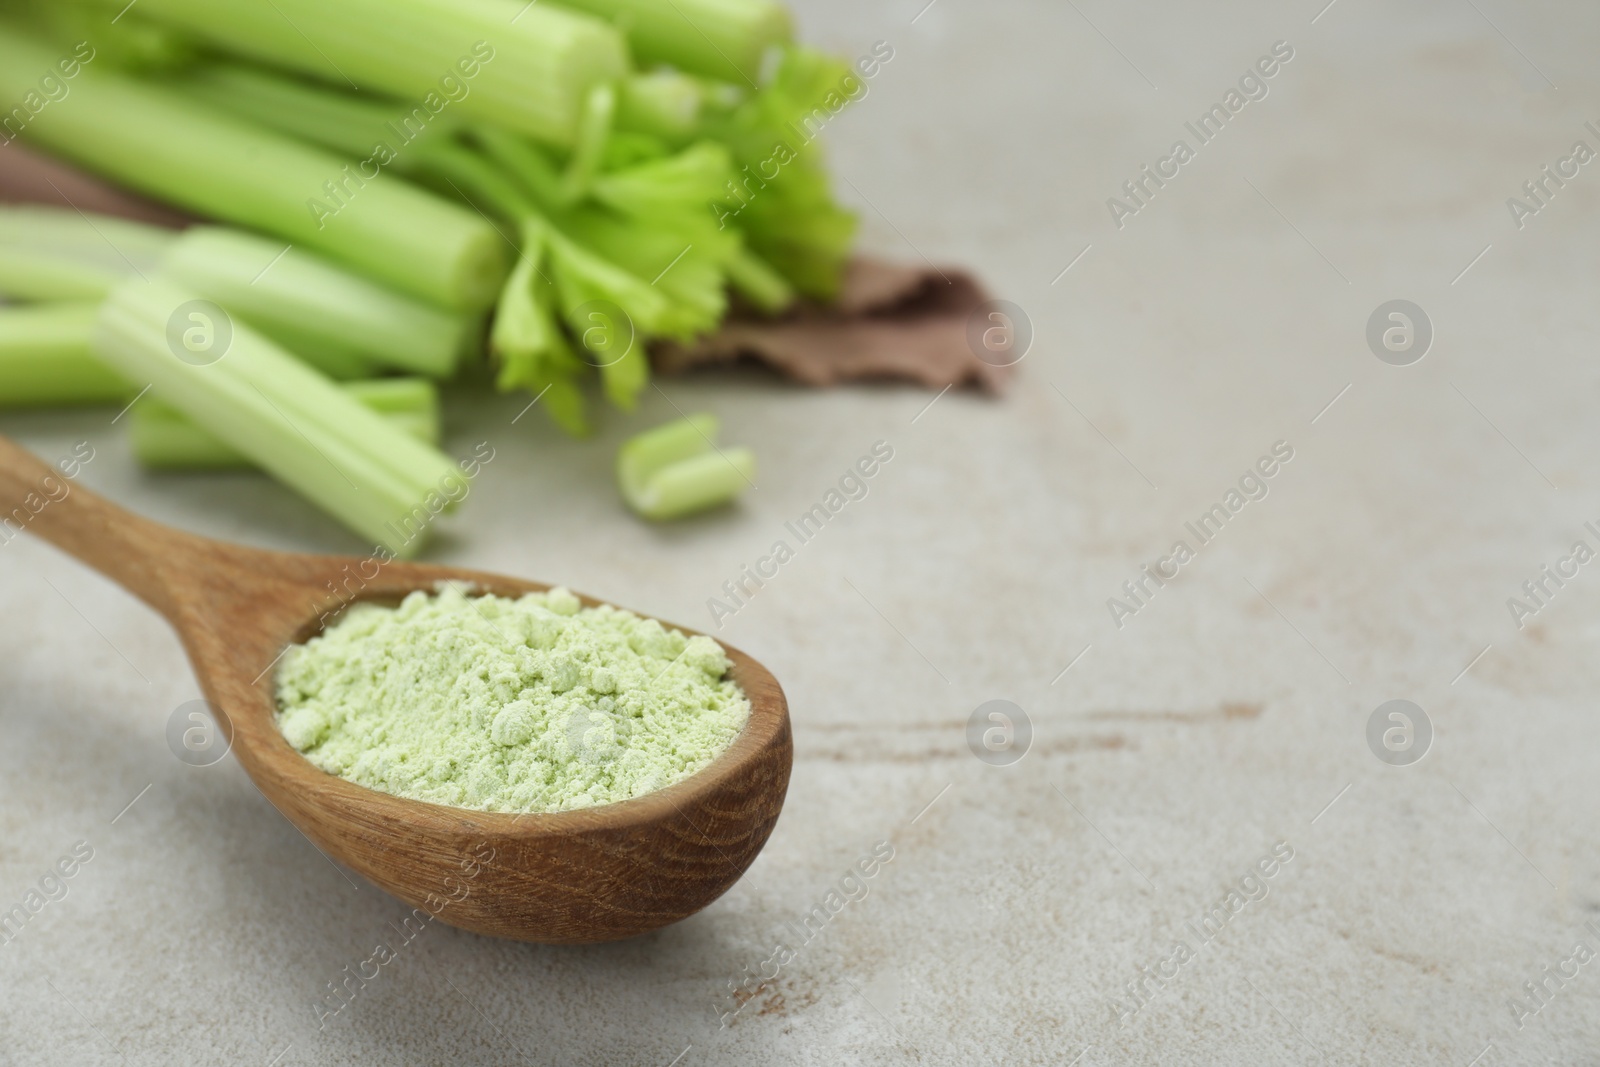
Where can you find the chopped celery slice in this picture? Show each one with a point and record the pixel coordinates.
(47, 359)
(166, 439)
(158, 142)
(676, 469)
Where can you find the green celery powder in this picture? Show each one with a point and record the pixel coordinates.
(534, 704)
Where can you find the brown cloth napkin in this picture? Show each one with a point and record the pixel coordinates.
(890, 322)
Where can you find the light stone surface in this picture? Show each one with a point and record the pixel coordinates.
(1226, 715)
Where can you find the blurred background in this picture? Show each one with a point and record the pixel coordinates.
(1161, 739)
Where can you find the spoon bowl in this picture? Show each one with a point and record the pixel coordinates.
(594, 874)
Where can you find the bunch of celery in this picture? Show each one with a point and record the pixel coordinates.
(476, 152)
(113, 299)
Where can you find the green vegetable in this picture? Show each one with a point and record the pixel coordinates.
(284, 416)
(528, 67)
(345, 325)
(316, 310)
(633, 202)
(127, 41)
(160, 143)
(164, 437)
(752, 278)
(351, 124)
(60, 254)
(726, 39)
(663, 104)
(598, 112)
(47, 359)
(44, 274)
(677, 469)
(781, 197)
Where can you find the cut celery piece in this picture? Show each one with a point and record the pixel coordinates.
(160, 143)
(676, 469)
(47, 359)
(166, 439)
(287, 418)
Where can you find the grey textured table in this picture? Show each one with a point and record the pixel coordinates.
(1031, 912)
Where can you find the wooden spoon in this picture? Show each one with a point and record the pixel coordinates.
(596, 874)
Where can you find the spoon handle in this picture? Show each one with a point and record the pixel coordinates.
(46, 501)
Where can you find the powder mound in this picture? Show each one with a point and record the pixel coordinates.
(532, 704)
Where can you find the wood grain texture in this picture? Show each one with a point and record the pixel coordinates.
(598, 874)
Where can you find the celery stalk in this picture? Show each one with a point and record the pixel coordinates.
(676, 469)
(166, 439)
(47, 359)
(316, 403)
(342, 122)
(664, 104)
(117, 244)
(162, 144)
(34, 274)
(49, 253)
(285, 417)
(599, 111)
(530, 167)
(342, 324)
(527, 67)
(326, 315)
(726, 39)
